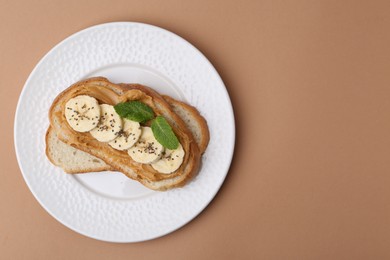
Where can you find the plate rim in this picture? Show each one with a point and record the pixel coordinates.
(226, 96)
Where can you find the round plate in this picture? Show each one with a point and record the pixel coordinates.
(107, 205)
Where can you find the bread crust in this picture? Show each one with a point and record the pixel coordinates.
(119, 160)
(200, 120)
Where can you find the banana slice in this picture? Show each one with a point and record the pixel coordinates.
(170, 161)
(147, 149)
(109, 126)
(128, 136)
(82, 113)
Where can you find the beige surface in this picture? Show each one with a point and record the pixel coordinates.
(310, 85)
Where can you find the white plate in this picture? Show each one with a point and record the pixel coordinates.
(109, 206)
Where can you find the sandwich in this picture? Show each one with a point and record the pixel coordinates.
(96, 125)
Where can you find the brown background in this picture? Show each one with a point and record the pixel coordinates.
(310, 85)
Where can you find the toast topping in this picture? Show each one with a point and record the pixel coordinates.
(134, 110)
(82, 113)
(119, 126)
(147, 149)
(128, 136)
(170, 161)
(164, 133)
(109, 125)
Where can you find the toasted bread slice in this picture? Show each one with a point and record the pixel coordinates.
(73, 160)
(107, 92)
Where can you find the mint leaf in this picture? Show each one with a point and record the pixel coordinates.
(164, 134)
(134, 110)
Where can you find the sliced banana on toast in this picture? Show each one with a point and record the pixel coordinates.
(170, 160)
(82, 113)
(109, 126)
(147, 149)
(128, 136)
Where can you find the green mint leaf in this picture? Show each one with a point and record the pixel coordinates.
(164, 134)
(134, 110)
